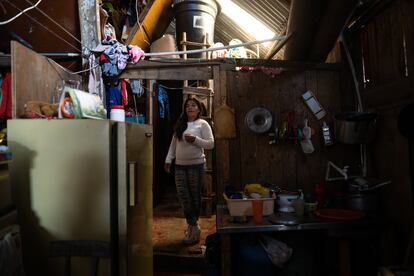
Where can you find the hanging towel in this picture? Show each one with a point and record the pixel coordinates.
(162, 101)
(92, 76)
(137, 88)
(6, 103)
(124, 93)
(1, 92)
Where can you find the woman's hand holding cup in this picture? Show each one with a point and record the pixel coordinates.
(190, 138)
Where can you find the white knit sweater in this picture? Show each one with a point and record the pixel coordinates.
(186, 153)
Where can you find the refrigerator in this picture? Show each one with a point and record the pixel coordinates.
(83, 180)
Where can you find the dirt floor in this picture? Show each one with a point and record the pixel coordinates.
(168, 230)
(171, 256)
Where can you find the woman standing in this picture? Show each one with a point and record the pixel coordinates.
(191, 136)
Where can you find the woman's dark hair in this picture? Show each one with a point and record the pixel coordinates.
(181, 124)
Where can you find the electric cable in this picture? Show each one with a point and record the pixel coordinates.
(60, 26)
(19, 14)
(52, 32)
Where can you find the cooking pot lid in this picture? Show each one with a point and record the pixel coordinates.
(258, 120)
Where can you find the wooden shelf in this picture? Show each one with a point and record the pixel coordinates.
(4, 175)
(5, 162)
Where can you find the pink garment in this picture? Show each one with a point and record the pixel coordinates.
(135, 53)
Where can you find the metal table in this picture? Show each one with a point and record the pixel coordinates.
(338, 228)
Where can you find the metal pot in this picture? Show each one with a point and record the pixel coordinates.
(366, 202)
(355, 127)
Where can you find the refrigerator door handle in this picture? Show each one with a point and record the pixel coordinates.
(132, 166)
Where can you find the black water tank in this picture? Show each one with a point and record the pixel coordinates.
(196, 18)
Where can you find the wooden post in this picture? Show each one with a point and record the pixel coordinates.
(226, 255)
(150, 103)
(184, 47)
(222, 146)
(344, 257)
(90, 35)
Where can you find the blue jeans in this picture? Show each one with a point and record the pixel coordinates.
(189, 184)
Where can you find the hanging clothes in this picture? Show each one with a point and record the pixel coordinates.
(162, 100)
(6, 102)
(114, 57)
(113, 96)
(92, 76)
(136, 88)
(124, 93)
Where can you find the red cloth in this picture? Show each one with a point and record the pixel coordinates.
(6, 102)
(124, 93)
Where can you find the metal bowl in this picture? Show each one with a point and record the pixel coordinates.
(258, 120)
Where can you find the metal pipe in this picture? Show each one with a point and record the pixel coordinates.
(154, 24)
(60, 54)
(214, 48)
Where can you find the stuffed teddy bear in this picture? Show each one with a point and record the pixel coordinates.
(38, 109)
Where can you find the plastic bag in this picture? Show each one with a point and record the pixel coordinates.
(278, 252)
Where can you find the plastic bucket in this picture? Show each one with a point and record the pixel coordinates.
(117, 113)
(196, 18)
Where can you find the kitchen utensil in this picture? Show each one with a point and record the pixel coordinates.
(285, 202)
(327, 138)
(363, 201)
(355, 127)
(313, 104)
(306, 143)
(258, 120)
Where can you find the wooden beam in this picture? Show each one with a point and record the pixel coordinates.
(303, 19)
(335, 17)
(90, 35)
(201, 91)
(279, 45)
(184, 73)
(230, 64)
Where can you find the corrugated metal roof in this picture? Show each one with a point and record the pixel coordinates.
(272, 13)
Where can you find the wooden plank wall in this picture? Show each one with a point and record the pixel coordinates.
(388, 54)
(34, 77)
(250, 156)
